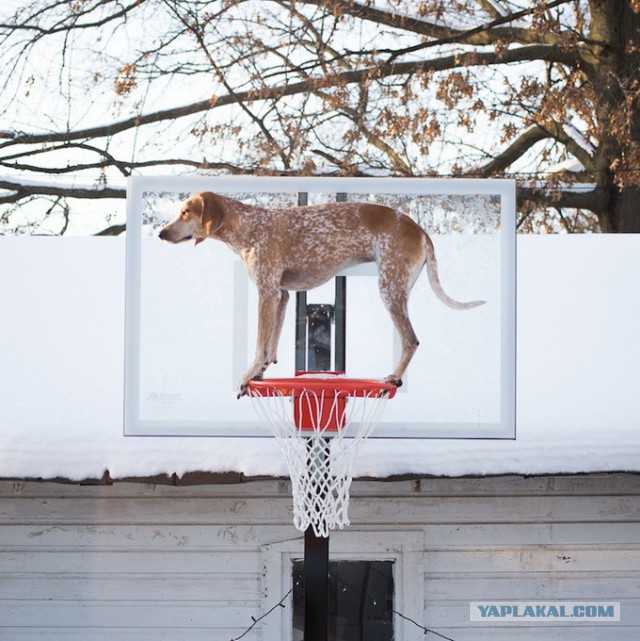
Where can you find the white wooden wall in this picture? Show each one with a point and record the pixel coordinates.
(135, 561)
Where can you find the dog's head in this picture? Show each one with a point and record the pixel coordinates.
(200, 216)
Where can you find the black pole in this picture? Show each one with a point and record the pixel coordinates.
(319, 319)
(301, 332)
(340, 323)
(316, 586)
(340, 315)
(301, 314)
(316, 548)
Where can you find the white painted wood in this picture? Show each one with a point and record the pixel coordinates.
(364, 511)
(137, 561)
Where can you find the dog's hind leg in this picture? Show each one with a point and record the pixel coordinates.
(409, 342)
(395, 284)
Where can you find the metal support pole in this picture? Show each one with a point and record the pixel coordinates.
(301, 331)
(316, 549)
(319, 319)
(340, 323)
(316, 587)
(340, 315)
(301, 314)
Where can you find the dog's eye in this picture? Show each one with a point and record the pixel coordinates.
(184, 215)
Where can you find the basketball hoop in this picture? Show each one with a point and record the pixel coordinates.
(320, 437)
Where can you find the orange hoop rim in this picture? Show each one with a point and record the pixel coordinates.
(331, 386)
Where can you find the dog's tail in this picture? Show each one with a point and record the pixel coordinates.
(434, 281)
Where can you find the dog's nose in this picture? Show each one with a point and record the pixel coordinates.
(163, 233)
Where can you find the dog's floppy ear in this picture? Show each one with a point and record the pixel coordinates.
(212, 214)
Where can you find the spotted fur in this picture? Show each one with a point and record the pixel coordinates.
(299, 248)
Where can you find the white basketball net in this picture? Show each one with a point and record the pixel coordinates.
(320, 459)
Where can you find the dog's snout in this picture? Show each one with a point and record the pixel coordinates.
(163, 233)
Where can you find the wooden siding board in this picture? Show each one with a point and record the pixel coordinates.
(521, 534)
(160, 512)
(538, 633)
(145, 537)
(272, 488)
(123, 511)
(135, 562)
(125, 614)
(569, 485)
(159, 587)
(534, 586)
(480, 510)
(127, 634)
(533, 559)
(362, 510)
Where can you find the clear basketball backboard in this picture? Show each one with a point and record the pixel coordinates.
(191, 312)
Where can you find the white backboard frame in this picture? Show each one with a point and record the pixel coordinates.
(237, 418)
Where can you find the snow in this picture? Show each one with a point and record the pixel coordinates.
(17, 182)
(503, 11)
(578, 137)
(61, 380)
(570, 165)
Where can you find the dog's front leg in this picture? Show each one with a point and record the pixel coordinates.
(274, 339)
(268, 304)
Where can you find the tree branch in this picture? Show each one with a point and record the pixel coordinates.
(23, 189)
(558, 131)
(594, 200)
(73, 18)
(484, 34)
(527, 139)
(522, 54)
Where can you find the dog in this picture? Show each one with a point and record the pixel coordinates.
(299, 248)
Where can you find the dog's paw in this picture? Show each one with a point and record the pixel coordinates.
(243, 387)
(394, 380)
(243, 390)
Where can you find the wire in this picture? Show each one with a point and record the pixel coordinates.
(255, 621)
(425, 630)
(281, 604)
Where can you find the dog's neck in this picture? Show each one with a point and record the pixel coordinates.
(236, 227)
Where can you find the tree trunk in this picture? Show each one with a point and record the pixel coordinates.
(624, 210)
(612, 68)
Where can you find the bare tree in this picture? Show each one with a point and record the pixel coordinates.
(544, 90)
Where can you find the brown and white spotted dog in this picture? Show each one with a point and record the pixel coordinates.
(299, 248)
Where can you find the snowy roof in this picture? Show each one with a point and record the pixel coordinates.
(61, 380)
